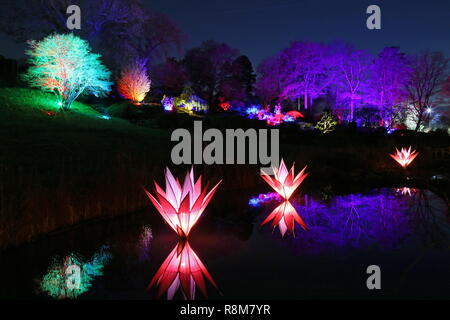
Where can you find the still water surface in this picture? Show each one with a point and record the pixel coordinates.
(404, 231)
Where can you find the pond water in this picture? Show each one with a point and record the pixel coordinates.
(406, 232)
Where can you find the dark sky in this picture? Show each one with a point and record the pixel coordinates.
(262, 28)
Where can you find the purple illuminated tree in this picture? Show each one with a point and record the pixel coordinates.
(387, 85)
(305, 71)
(353, 74)
(268, 84)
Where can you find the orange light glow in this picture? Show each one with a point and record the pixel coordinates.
(404, 157)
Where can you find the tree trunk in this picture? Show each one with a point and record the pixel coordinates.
(351, 109)
(419, 121)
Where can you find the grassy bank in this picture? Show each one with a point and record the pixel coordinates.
(60, 169)
(57, 170)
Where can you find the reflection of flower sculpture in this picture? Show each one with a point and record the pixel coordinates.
(404, 157)
(284, 216)
(284, 181)
(181, 207)
(405, 191)
(182, 268)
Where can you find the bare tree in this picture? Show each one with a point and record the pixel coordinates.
(427, 76)
(125, 25)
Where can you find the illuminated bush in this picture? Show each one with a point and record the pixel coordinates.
(167, 103)
(326, 123)
(190, 102)
(65, 65)
(134, 83)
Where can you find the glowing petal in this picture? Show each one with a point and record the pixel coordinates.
(182, 269)
(284, 181)
(181, 205)
(284, 217)
(404, 157)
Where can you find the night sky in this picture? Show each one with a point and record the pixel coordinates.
(261, 28)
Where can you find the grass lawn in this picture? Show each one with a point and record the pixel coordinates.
(60, 169)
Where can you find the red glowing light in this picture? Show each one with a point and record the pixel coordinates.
(285, 182)
(181, 206)
(295, 114)
(284, 216)
(404, 157)
(182, 268)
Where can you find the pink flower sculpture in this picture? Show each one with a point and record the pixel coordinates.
(285, 182)
(404, 157)
(181, 206)
(284, 216)
(405, 191)
(182, 268)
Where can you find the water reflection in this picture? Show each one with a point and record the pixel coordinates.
(405, 191)
(182, 269)
(389, 218)
(143, 244)
(70, 277)
(408, 235)
(284, 216)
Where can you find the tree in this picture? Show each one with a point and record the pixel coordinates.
(446, 88)
(427, 76)
(134, 83)
(305, 72)
(64, 64)
(268, 84)
(327, 123)
(208, 66)
(126, 25)
(238, 79)
(390, 74)
(170, 77)
(353, 74)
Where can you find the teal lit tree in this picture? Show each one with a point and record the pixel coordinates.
(65, 65)
(54, 282)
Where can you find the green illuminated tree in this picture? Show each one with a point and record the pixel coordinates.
(65, 65)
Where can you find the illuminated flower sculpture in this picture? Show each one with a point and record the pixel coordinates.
(182, 268)
(284, 181)
(284, 216)
(181, 206)
(404, 157)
